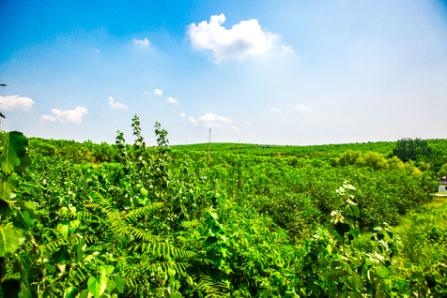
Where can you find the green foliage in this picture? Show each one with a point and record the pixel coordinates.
(443, 170)
(14, 216)
(412, 149)
(131, 220)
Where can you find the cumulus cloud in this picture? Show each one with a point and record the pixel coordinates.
(116, 104)
(158, 92)
(171, 100)
(183, 115)
(211, 120)
(302, 109)
(15, 102)
(75, 115)
(242, 40)
(141, 42)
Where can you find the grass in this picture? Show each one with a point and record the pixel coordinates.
(438, 202)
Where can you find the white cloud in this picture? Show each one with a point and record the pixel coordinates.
(287, 49)
(183, 115)
(242, 40)
(302, 109)
(211, 120)
(158, 92)
(48, 118)
(13, 102)
(141, 42)
(116, 104)
(171, 100)
(193, 121)
(275, 110)
(70, 116)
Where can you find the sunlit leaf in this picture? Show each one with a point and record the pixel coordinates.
(10, 239)
(14, 150)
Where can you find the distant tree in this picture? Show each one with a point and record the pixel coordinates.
(412, 149)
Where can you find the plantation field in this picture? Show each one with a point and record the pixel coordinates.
(220, 219)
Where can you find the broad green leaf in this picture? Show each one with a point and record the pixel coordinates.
(383, 272)
(176, 294)
(97, 286)
(119, 284)
(83, 294)
(109, 270)
(92, 284)
(27, 219)
(6, 190)
(14, 151)
(102, 281)
(70, 292)
(10, 239)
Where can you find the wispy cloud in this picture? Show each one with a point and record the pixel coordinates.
(242, 40)
(159, 93)
(48, 118)
(171, 100)
(302, 109)
(193, 121)
(116, 104)
(75, 115)
(15, 102)
(141, 42)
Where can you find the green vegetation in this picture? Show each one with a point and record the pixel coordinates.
(408, 149)
(99, 220)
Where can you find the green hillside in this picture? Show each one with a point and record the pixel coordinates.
(220, 219)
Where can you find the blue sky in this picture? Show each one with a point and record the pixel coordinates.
(279, 72)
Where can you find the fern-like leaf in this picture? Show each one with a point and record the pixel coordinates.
(138, 213)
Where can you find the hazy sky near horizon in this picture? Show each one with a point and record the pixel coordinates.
(278, 72)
